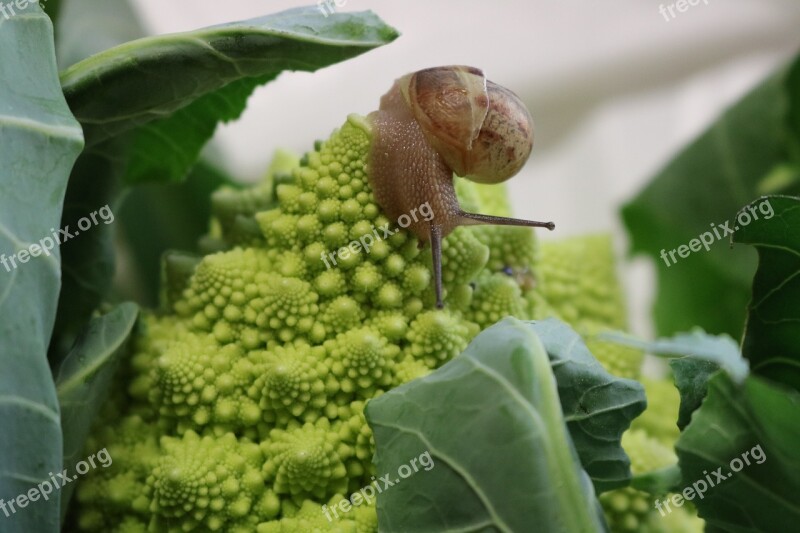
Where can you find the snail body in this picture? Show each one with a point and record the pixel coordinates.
(437, 122)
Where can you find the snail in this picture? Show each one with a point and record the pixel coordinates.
(436, 122)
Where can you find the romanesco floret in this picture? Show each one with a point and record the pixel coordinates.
(512, 250)
(309, 519)
(153, 336)
(498, 296)
(576, 281)
(631, 510)
(119, 491)
(306, 462)
(437, 337)
(131, 525)
(209, 483)
(242, 404)
(462, 253)
(410, 369)
(577, 277)
(619, 360)
(341, 314)
(197, 383)
(628, 509)
(391, 324)
(234, 209)
(363, 361)
(663, 404)
(294, 384)
(223, 296)
(355, 433)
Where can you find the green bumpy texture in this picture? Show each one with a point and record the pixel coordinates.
(576, 282)
(241, 406)
(629, 510)
(650, 445)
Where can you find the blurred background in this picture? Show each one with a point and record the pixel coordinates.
(615, 90)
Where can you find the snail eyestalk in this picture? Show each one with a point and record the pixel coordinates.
(437, 122)
(471, 219)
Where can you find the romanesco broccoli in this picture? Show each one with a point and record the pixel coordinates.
(241, 406)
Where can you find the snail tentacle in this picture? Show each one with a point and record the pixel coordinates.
(471, 219)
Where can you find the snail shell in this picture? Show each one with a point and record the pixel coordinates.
(482, 130)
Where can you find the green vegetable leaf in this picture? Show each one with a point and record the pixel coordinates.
(691, 379)
(88, 258)
(84, 379)
(598, 407)
(492, 422)
(154, 160)
(752, 428)
(720, 350)
(738, 450)
(174, 89)
(738, 159)
(772, 334)
(695, 357)
(87, 27)
(793, 119)
(40, 142)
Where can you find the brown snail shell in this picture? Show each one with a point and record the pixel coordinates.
(436, 122)
(482, 130)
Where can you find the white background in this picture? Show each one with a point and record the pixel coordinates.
(614, 89)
